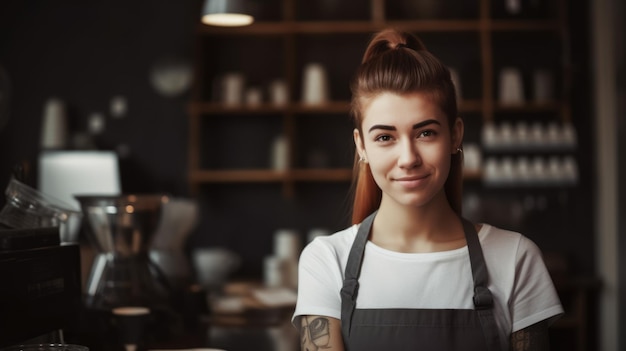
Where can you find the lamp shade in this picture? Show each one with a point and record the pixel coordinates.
(228, 13)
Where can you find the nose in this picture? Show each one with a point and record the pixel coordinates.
(409, 156)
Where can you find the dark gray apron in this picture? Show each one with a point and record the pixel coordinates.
(418, 329)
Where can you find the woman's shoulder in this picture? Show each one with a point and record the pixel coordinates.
(338, 239)
(493, 237)
(335, 243)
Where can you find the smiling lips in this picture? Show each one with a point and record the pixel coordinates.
(411, 181)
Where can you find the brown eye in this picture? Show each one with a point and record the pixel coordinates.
(383, 138)
(426, 134)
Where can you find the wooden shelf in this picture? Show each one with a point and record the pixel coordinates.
(299, 175)
(524, 25)
(322, 175)
(218, 108)
(333, 27)
(212, 108)
(268, 176)
(346, 27)
(529, 107)
(237, 176)
(289, 30)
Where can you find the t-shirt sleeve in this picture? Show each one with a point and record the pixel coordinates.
(319, 282)
(534, 297)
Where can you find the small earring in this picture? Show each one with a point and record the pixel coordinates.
(459, 150)
(361, 159)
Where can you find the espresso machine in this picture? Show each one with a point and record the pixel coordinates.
(40, 288)
(40, 293)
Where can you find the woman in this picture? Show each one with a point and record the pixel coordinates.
(411, 273)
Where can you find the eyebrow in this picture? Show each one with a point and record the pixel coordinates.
(415, 126)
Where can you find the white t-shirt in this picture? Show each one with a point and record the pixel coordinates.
(518, 279)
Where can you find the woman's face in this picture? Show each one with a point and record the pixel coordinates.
(407, 142)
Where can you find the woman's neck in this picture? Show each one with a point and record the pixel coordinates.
(430, 228)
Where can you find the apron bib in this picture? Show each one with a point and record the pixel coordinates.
(418, 329)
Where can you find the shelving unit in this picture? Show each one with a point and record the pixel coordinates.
(287, 33)
(481, 42)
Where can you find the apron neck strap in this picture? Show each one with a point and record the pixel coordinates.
(482, 295)
(350, 287)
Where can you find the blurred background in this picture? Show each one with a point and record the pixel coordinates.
(250, 125)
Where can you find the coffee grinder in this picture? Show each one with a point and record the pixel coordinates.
(40, 293)
(40, 288)
(120, 229)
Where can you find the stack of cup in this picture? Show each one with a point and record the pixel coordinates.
(281, 269)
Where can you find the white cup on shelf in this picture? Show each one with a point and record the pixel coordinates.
(522, 170)
(233, 88)
(507, 135)
(508, 170)
(570, 169)
(279, 94)
(537, 136)
(314, 85)
(538, 170)
(511, 88)
(568, 135)
(54, 125)
(554, 136)
(493, 175)
(490, 136)
(554, 172)
(522, 134)
(472, 158)
(279, 156)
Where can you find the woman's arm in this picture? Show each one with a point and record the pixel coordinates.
(320, 333)
(532, 338)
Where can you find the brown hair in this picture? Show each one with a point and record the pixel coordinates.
(398, 62)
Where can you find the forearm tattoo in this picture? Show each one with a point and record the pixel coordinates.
(533, 338)
(315, 333)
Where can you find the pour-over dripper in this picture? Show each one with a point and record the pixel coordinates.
(121, 228)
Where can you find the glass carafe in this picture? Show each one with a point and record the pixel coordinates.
(120, 228)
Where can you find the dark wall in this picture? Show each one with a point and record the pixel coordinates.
(85, 53)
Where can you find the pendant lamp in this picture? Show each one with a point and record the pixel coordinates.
(226, 13)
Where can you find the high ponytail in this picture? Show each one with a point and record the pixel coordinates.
(399, 62)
